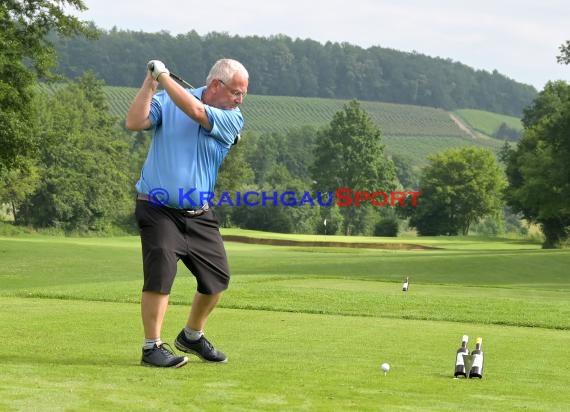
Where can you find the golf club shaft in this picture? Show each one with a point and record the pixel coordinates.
(181, 80)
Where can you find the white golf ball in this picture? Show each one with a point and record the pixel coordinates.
(385, 367)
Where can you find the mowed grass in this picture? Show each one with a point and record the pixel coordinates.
(305, 328)
(487, 122)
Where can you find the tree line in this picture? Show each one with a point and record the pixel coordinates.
(66, 163)
(282, 66)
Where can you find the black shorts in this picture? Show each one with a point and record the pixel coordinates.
(167, 236)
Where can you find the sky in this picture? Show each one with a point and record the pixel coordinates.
(518, 38)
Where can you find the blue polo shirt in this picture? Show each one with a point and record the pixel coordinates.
(182, 164)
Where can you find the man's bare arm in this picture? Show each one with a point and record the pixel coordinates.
(137, 117)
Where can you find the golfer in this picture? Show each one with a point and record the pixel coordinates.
(193, 131)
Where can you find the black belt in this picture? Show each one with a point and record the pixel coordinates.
(185, 212)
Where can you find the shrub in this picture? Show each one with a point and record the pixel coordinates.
(387, 227)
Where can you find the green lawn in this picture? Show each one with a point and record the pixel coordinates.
(305, 328)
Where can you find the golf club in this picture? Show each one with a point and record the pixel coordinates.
(175, 77)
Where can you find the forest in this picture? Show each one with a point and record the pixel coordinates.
(282, 66)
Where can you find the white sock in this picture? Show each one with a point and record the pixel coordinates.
(192, 334)
(149, 343)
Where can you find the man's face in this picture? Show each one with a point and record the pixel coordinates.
(230, 94)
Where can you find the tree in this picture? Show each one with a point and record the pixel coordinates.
(459, 187)
(84, 182)
(330, 220)
(261, 153)
(387, 226)
(407, 173)
(25, 53)
(538, 169)
(349, 154)
(17, 184)
(507, 133)
(280, 163)
(293, 149)
(235, 173)
(276, 205)
(564, 56)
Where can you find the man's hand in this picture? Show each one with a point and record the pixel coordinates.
(156, 68)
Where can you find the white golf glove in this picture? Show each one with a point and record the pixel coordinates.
(156, 68)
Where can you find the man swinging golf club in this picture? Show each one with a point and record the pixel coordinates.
(193, 131)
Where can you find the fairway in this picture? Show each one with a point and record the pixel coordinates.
(305, 328)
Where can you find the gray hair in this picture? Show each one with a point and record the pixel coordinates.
(225, 69)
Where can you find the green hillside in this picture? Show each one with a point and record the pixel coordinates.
(267, 114)
(412, 131)
(486, 122)
(278, 113)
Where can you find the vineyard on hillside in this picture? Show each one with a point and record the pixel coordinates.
(268, 114)
(419, 148)
(411, 131)
(120, 99)
(265, 114)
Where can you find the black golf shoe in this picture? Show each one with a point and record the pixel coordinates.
(201, 348)
(162, 357)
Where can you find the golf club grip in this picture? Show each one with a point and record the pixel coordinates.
(174, 76)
